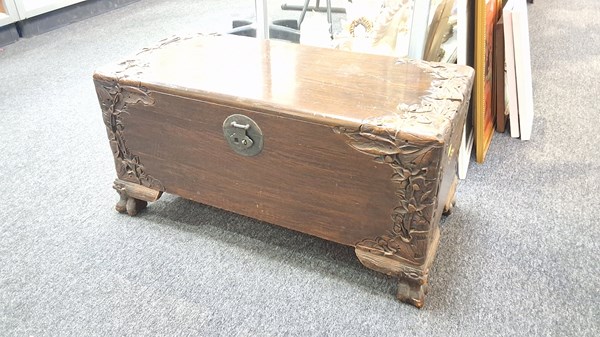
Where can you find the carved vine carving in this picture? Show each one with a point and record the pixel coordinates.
(114, 99)
(410, 141)
(415, 173)
(136, 65)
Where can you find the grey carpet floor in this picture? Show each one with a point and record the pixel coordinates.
(519, 256)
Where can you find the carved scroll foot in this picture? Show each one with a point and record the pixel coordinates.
(412, 289)
(130, 205)
(412, 285)
(448, 207)
(412, 277)
(133, 197)
(451, 199)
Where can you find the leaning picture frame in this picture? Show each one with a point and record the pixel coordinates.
(486, 16)
(465, 15)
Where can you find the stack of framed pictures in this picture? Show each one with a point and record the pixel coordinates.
(468, 32)
(518, 68)
(487, 13)
(494, 39)
(465, 11)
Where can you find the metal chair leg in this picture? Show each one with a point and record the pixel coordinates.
(306, 2)
(329, 20)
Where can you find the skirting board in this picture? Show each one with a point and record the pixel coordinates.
(61, 17)
(8, 34)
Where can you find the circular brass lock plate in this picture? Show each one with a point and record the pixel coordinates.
(243, 135)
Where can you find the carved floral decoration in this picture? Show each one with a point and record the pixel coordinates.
(114, 99)
(410, 140)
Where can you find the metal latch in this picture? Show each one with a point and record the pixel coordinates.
(243, 135)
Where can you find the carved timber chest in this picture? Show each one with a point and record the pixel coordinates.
(354, 148)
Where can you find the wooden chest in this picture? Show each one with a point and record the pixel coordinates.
(353, 148)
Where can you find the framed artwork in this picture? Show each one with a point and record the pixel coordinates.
(465, 48)
(487, 13)
(520, 24)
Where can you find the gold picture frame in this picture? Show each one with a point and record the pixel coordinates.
(487, 13)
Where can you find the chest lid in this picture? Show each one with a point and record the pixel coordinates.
(326, 86)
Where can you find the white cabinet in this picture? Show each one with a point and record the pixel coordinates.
(8, 12)
(16, 10)
(31, 8)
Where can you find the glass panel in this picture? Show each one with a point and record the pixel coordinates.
(309, 18)
(284, 19)
(388, 27)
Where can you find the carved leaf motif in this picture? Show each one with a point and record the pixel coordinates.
(374, 147)
(409, 149)
(114, 99)
(448, 92)
(400, 141)
(114, 146)
(121, 169)
(425, 196)
(134, 95)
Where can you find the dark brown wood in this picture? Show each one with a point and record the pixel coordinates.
(451, 199)
(133, 197)
(498, 95)
(358, 149)
(412, 280)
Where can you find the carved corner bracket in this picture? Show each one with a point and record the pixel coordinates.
(415, 173)
(411, 141)
(114, 100)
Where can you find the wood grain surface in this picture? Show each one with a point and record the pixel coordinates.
(306, 178)
(321, 85)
